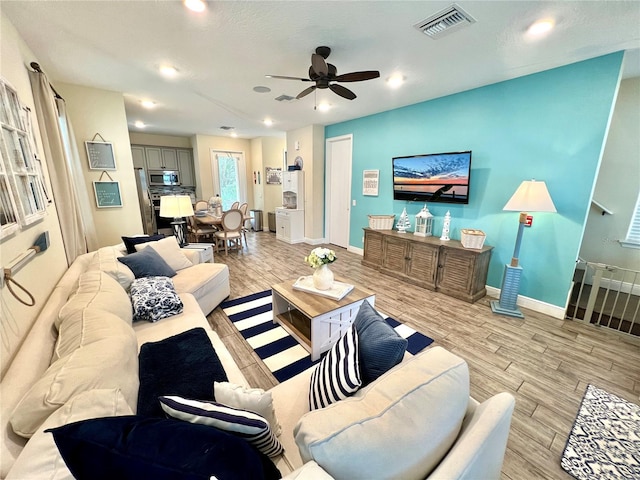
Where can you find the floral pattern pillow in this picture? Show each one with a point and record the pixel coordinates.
(154, 298)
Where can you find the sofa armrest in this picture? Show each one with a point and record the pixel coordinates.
(309, 471)
(192, 254)
(479, 449)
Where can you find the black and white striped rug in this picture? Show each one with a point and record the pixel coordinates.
(605, 439)
(280, 352)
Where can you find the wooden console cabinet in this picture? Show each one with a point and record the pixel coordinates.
(428, 262)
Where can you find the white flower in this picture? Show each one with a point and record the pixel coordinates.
(320, 256)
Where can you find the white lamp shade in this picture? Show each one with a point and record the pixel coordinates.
(531, 196)
(176, 206)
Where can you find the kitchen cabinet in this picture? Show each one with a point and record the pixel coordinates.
(154, 158)
(442, 266)
(138, 157)
(293, 189)
(169, 159)
(186, 168)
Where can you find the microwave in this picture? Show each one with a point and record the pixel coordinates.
(164, 177)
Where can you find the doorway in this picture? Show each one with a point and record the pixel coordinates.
(229, 174)
(338, 188)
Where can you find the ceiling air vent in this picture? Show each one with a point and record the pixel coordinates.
(444, 22)
(226, 127)
(285, 98)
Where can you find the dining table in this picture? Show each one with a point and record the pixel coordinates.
(214, 220)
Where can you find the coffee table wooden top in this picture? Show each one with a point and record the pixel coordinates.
(314, 305)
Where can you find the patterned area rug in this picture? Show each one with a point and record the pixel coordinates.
(605, 439)
(280, 352)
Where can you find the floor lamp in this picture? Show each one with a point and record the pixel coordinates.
(177, 207)
(531, 196)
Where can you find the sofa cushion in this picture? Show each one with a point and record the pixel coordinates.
(154, 298)
(131, 447)
(108, 362)
(170, 252)
(253, 399)
(40, 459)
(131, 242)
(105, 259)
(380, 347)
(338, 374)
(185, 365)
(248, 425)
(412, 413)
(147, 263)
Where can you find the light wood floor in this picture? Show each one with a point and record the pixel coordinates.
(544, 362)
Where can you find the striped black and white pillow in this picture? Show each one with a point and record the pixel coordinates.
(248, 425)
(338, 374)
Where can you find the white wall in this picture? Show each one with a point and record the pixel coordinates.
(94, 111)
(46, 268)
(617, 185)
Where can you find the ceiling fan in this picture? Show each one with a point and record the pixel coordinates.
(324, 74)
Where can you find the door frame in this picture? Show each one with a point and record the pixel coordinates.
(327, 189)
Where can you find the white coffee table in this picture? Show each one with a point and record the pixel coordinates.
(315, 321)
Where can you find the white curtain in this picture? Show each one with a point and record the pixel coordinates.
(67, 182)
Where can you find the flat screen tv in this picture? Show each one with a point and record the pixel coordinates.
(433, 177)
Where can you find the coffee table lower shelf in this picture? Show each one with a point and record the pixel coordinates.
(316, 322)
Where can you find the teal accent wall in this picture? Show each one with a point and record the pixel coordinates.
(548, 126)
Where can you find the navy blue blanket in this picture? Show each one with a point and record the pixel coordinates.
(185, 365)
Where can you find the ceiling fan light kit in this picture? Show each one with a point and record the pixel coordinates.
(325, 75)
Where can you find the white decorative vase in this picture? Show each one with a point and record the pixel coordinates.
(323, 277)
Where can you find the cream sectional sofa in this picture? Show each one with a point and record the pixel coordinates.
(415, 421)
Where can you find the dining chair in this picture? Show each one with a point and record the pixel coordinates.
(197, 230)
(231, 233)
(234, 205)
(243, 208)
(201, 205)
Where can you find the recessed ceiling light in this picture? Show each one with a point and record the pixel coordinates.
(168, 70)
(268, 122)
(195, 5)
(394, 81)
(323, 107)
(148, 103)
(139, 124)
(234, 134)
(261, 89)
(540, 27)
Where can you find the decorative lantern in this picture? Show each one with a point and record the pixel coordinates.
(424, 223)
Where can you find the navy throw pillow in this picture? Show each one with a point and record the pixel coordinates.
(185, 365)
(132, 447)
(147, 263)
(131, 242)
(380, 347)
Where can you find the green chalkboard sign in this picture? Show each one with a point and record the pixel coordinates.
(107, 194)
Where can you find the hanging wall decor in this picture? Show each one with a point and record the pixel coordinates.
(100, 154)
(107, 194)
(370, 181)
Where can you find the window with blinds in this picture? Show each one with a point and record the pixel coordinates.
(633, 235)
(22, 196)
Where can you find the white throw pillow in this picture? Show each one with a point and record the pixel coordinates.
(412, 413)
(40, 458)
(253, 399)
(110, 362)
(338, 374)
(252, 427)
(170, 252)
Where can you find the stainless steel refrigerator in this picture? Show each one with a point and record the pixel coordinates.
(146, 204)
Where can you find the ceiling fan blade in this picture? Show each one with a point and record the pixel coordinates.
(306, 92)
(319, 65)
(342, 91)
(357, 76)
(289, 78)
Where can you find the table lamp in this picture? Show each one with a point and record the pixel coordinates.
(531, 196)
(177, 207)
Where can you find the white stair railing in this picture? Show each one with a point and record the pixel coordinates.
(606, 295)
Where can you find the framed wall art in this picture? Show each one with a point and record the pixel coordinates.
(370, 181)
(100, 155)
(107, 194)
(273, 176)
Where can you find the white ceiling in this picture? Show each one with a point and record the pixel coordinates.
(226, 51)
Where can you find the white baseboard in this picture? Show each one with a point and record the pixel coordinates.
(314, 241)
(532, 304)
(356, 250)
